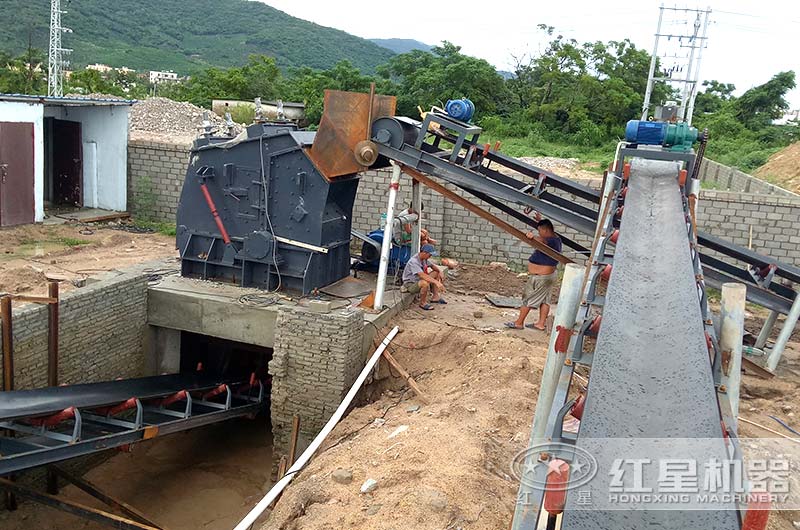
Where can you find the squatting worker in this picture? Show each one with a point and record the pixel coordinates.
(542, 276)
(421, 276)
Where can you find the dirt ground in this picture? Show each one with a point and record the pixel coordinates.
(442, 465)
(783, 168)
(446, 464)
(29, 253)
(207, 478)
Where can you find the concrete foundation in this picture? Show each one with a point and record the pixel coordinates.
(318, 347)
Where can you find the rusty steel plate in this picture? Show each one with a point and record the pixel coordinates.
(343, 125)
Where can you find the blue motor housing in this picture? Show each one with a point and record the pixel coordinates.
(398, 255)
(460, 109)
(646, 132)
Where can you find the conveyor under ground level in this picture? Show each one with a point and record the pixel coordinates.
(48, 425)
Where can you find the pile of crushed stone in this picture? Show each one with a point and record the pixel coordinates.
(165, 118)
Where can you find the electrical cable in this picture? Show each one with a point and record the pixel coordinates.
(266, 214)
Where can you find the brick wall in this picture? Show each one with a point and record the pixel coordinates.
(461, 234)
(464, 236)
(156, 171)
(769, 223)
(720, 177)
(315, 360)
(101, 333)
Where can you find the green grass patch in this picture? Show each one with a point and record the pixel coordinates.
(72, 242)
(167, 229)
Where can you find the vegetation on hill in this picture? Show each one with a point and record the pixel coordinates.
(184, 36)
(571, 100)
(402, 45)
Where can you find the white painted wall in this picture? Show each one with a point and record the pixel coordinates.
(105, 175)
(12, 111)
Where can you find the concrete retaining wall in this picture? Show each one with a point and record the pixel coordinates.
(101, 334)
(720, 177)
(315, 361)
(156, 171)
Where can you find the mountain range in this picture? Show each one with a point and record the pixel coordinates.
(187, 35)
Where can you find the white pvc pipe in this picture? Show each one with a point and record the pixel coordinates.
(783, 337)
(386, 246)
(568, 302)
(279, 486)
(731, 331)
(416, 204)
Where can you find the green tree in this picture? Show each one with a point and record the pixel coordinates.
(760, 105)
(24, 74)
(431, 78)
(260, 77)
(307, 86)
(92, 82)
(713, 97)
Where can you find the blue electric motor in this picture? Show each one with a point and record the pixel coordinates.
(398, 255)
(675, 136)
(460, 109)
(646, 132)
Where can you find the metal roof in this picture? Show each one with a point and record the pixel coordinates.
(66, 101)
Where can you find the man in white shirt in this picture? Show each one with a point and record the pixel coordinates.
(417, 279)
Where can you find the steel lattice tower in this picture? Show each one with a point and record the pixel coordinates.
(55, 56)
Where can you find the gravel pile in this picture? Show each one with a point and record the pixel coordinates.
(166, 118)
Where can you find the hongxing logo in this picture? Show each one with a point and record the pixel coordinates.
(538, 463)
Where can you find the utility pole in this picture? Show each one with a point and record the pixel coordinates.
(55, 55)
(653, 61)
(695, 85)
(687, 70)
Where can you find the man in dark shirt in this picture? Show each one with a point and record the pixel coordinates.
(542, 276)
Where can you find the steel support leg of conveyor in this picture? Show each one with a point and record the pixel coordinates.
(651, 376)
(783, 337)
(766, 330)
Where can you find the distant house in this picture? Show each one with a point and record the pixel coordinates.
(792, 117)
(61, 153)
(157, 77)
(102, 68)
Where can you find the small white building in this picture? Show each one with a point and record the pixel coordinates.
(61, 153)
(162, 77)
(102, 68)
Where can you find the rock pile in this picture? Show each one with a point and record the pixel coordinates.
(165, 117)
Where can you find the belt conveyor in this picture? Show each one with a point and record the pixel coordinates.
(651, 376)
(48, 425)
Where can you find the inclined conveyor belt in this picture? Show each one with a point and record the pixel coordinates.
(651, 376)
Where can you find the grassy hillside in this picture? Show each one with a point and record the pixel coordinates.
(183, 35)
(402, 45)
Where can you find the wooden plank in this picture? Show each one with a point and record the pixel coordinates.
(480, 212)
(74, 508)
(94, 491)
(756, 370)
(293, 442)
(410, 380)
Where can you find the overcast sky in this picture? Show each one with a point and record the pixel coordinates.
(748, 41)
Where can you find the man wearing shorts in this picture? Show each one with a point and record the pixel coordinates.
(542, 276)
(417, 279)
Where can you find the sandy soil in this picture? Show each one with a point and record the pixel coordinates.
(29, 253)
(783, 168)
(449, 467)
(207, 478)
